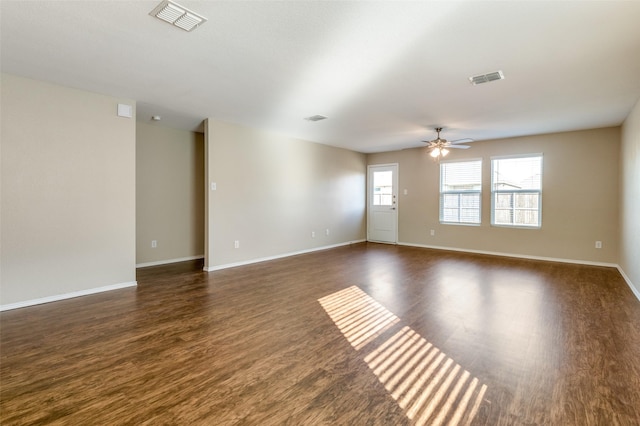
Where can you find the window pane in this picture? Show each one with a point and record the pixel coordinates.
(385, 200)
(517, 173)
(526, 200)
(526, 217)
(516, 184)
(461, 176)
(382, 178)
(451, 201)
(470, 201)
(450, 215)
(503, 217)
(470, 215)
(460, 191)
(382, 188)
(503, 201)
(470, 208)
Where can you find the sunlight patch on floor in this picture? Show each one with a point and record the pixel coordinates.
(430, 387)
(360, 318)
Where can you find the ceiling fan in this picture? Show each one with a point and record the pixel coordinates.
(440, 147)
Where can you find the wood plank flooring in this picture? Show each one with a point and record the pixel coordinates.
(366, 334)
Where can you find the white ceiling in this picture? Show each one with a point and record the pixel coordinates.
(385, 73)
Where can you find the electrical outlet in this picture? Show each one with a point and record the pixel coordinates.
(433, 232)
(326, 232)
(154, 244)
(236, 244)
(313, 234)
(598, 244)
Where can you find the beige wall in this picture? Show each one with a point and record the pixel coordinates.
(274, 191)
(579, 202)
(630, 198)
(169, 194)
(68, 198)
(68, 191)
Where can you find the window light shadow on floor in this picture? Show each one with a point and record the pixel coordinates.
(360, 318)
(429, 386)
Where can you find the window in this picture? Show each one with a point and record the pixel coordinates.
(460, 191)
(516, 191)
(383, 188)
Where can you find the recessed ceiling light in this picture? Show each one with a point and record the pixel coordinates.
(316, 118)
(177, 15)
(486, 78)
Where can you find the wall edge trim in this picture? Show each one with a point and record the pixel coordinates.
(516, 255)
(64, 296)
(633, 288)
(278, 256)
(167, 261)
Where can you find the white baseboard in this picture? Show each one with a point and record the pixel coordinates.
(166, 262)
(59, 297)
(520, 256)
(279, 256)
(635, 291)
(633, 288)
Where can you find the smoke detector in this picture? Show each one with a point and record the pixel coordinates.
(486, 78)
(177, 15)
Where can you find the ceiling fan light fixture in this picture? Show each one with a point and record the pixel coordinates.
(438, 153)
(440, 148)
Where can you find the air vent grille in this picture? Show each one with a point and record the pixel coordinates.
(486, 78)
(187, 21)
(170, 13)
(177, 15)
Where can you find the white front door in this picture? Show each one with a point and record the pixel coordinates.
(382, 205)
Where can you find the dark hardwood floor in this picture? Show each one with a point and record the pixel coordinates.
(362, 335)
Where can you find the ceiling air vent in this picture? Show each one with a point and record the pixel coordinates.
(316, 118)
(486, 78)
(177, 15)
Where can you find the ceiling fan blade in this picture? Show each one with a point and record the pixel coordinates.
(459, 146)
(466, 140)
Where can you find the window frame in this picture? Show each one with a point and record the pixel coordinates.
(495, 192)
(442, 193)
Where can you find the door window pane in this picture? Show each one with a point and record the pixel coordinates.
(382, 188)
